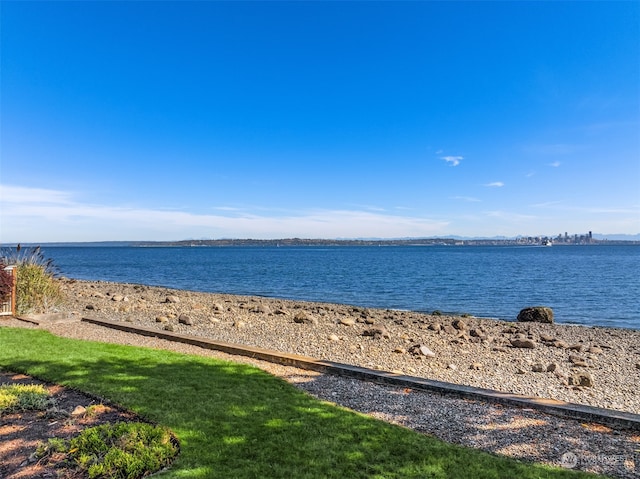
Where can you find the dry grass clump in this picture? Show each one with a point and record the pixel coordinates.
(37, 290)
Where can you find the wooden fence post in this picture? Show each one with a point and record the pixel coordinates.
(8, 308)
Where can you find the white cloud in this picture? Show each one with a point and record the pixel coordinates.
(546, 204)
(20, 194)
(56, 217)
(555, 164)
(470, 199)
(495, 184)
(510, 216)
(555, 149)
(453, 160)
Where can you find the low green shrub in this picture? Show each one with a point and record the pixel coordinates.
(23, 397)
(123, 450)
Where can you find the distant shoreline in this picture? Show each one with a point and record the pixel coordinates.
(298, 242)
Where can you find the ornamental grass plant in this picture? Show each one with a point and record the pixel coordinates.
(37, 290)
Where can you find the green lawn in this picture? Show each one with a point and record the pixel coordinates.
(236, 421)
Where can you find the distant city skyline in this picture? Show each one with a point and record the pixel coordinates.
(164, 121)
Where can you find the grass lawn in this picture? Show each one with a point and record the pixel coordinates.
(236, 421)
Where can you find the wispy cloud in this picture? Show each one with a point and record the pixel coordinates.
(57, 217)
(546, 204)
(555, 149)
(20, 194)
(510, 216)
(469, 199)
(494, 184)
(591, 210)
(452, 160)
(555, 164)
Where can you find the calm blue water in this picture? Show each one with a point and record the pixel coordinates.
(593, 285)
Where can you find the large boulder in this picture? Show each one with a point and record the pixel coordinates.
(536, 314)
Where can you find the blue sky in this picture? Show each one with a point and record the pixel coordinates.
(167, 121)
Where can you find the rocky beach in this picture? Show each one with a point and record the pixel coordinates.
(586, 365)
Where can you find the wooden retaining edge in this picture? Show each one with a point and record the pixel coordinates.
(608, 417)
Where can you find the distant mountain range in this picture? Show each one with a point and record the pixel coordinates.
(617, 237)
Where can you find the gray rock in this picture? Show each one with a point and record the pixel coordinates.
(581, 379)
(447, 328)
(169, 327)
(422, 350)
(172, 299)
(184, 319)
(538, 368)
(477, 333)
(347, 321)
(576, 359)
(435, 327)
(260, 309)
(523, 343)
(78, 411)
(552, 367)
(302, 317)
(560, 344)
(90, 307)
(546, 338)
(575, 347)
(536, 314)
(377, 333)
(595, 350)
(117, 297)
(459, 324)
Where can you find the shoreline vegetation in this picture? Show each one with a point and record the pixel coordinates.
(596, 366)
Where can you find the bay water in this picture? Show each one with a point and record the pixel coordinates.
(587, 284)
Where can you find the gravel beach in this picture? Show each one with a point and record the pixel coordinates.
(586, 365)
(593, 366)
